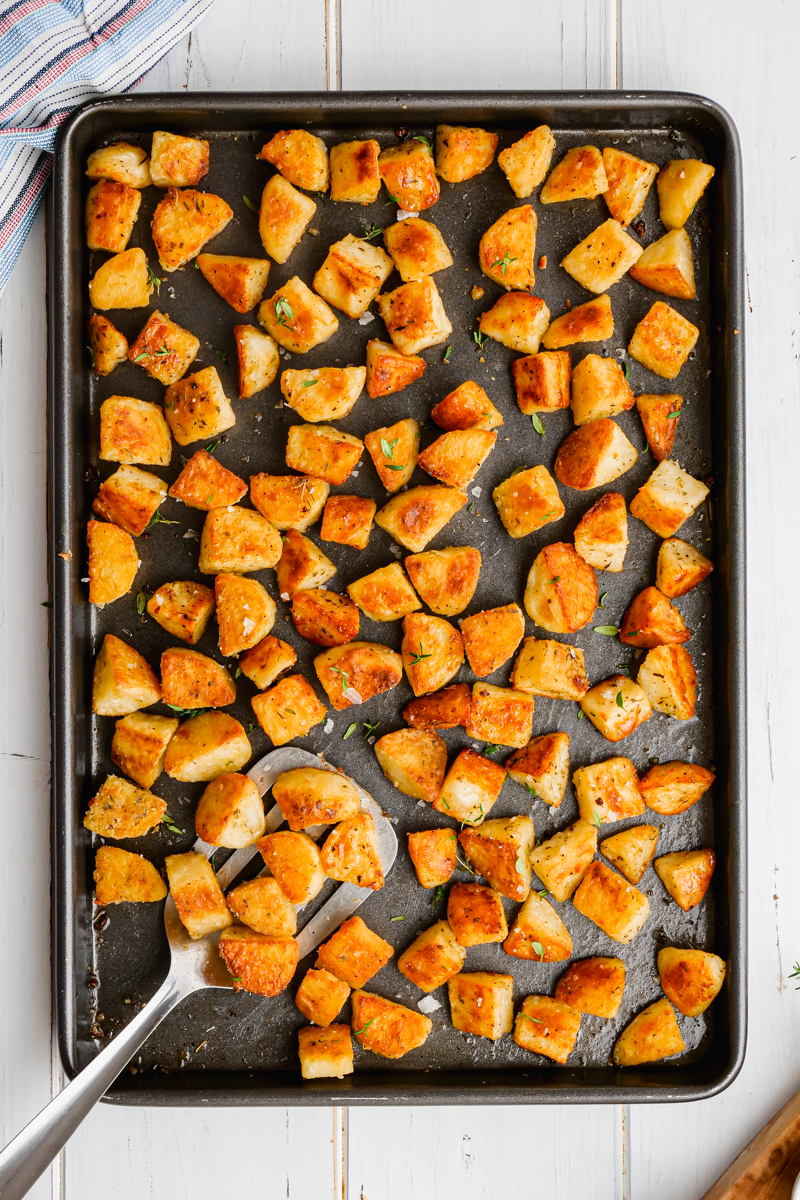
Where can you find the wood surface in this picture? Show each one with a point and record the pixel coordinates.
(769, 1166)
(743, 56)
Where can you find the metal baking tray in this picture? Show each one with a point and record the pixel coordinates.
(221, 1048)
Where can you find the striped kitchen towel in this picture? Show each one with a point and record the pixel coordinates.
(54, 54)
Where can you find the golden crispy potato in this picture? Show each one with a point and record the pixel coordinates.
(613, 904)
(617, 706)
(240, 281)
(669, 498)
(501, 716)
(629, 181)
(631, 851)
(669, 680)
(183, 222)
(394, 450)
(347, 520)
(192, 680)
(608, 791)
(111, 212)
(385, 594)
(121, 162)
(417, 249)
(324, 618)
(673, 787)
(538, 933)
(350, 853)
(432, 652)
(198, 897)
(130, 499)
(594, 454)
(414, 760)
(476, 914)
(506, 251)
(139, 744)
(652, 620)
(681, 183)
(289, 501)
(601, 535)
(325, 1053)
(177, 161)
(163, 349)
(663, 340)
(122, 282)
(355, 673)
(467, 407)
(462, 153)
(593, 986)
(323, 452)
(433, 853)
(491, 637)
(352, 275)
(262, 906)
(321, 997)
(660, 422)
(470, 788)
(456, 456)
(602, 258)
(122, 810)
(553, 669)
(354, 172)
(414, 316)
(300, 157)
(445, 579)
(123, 681)
(482, 1003)
(296, 318)
(196, 407)
(205, 746)
(667, 266)
(444, 709)
(686, 875)
(107, 346)
(113, 562)
(293, 858)
(258, 359)
(390, 371)
(516, 320)
(599, 389)
(432, 958)
(266, 661)
(414, 518)
(527, 501)
(387, 1029)
(561, 861)
(323, 393)
(410, 175)
(580, 175)
(547, 1026)
(288, 710)
(541, 381)
(589, 322)
(259, 962)
(354, 953)
(499, 851)
(691, 979)
(245, 613)
(236, 539)
(542, 767)
(283, 216)
(561, 590)
(230, 813)
(121, 877)
(526, 162)
(310, 796)
(205, 484)
(650, 1036)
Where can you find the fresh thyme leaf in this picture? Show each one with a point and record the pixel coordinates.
(369, 728)
(517, 471)
(392, 199)
(607, 630)
(538, 948)
(371, 231)
(532, 791)
(419, 655)
(447, 354)
(350, 731)
(187, 712)
(344, 676)
(162, 351)
(249, 204)
(388, 447)
(602, 601)
(309, 382)
(620, 701)
(250, 728)
(471, 506)
(544, 892)
(795, 974)
(597, 818)
(677, 413)
(91, 354)
(526, 1015)
(491, 748)
(236, 979)
(223, 354)
(398, 918)
(170, 824)
(157, 519)
(365, 1027)
(555, 579)
(479, 339)
(394, 467)
(154, 279)
(463, 865)
(419, 137)
(504, 262)
(238, 672)
(581, 714)
(141, 601)
(212, 446)
(283, 311)
(437, 895)
(142, 355)
(520, 864)
(627, 371)
(536, 422)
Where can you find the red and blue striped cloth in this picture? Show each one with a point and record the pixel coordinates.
(53, 56)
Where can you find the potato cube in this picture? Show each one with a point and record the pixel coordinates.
(262, 906)
(387, 1029)
(506, 251)
(414, 316)
(589, 322)
(652, 620)
(516, 320)
(296, 318)
(476, 914)
(599, 389)
(541, 381)
(415, 517)
(312, 796)
(123, 681)
(561, 590)
(240, 281)
(501, 716)
(542, 767)
(353, 674)
(163, 349)
(347, 520)
(616, 707)
(602, 258)
(410, 175)
(283, 216)
(580, 175)
(467, 407)
(205, 746)
(444, 709)
(660, 422)
(538, 933)
(445, 579)
(499, 851)
(691, 979)
(300, 156)
(325, 1053)
(414, 760)
(394, 450)
(139, 744)
(433, 853)
(352, 275)
(417, 249)
(177, 161)
(324, 618)
(669, 498)
(432, 652)
(183, 222)
(230, 814)
(122, 810)
(121, 877)
(293, 858)
(324, 393)
(526, 162)
(561, 860)
(594, 454)
(258, 359)
(354, 172)
(527, 501)
(301, 565)
(289, 501)
(462, 153)
(130, 499)
(191, 680)
(354, 953)
(663, 340)
(196, 407)
(608, 791)
(350, 853)
(113, 562)
(107, 346)
(669, 680)
(134, 431)
(593, 986)
(323, 452)
(601, 535)
(205, 484)
(482, 1003)
(470, 788)
(321, 997)
(673, 787)
(122, 162)
(121, 282)
(667, 266)
(553, 669)
(433, 957)
(259, 962)
(236, 539)
(491, 637)
(245, 613)
(456, 456)
(681, 183)
(390, 371)
(629, 181)
(111, 212)
(650, 1036)
(547, 1026)
(632, 850)
(266, 661)
(613, 904)
(288, 710)
(198, 897)
(686, 875)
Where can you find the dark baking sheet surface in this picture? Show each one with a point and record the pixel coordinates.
(248, 1043)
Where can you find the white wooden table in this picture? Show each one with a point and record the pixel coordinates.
(741, 55)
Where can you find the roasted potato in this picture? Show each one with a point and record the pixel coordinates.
(580, 175)
(240, 281)
(527, 501)
(432, 958)
(288, 710)
(686, 875)
(506, 251)
(111, 212)
(669, 680)
(561, 590)
(414, 760)
(526, 162)
(258, 359)
(266, 661)
(553, 669)
(130, 499)
(350, 853)
(321, 997)
(433, 853)
(593, 986)
(283, 216)
(650, 1036)
(601, 535)
(470, 788)
(121, 282)
(293, 858)
(107, 346)
(261, 905)
(517, 320)
(417, 249)
(673, 787)
(456, 456)
(589, 322)
(415, 517)
(462, 153)
(444, 709)
(394, 450)
(599, 389)
(177, 161)
(323, 452)
(354, 172)
(311, 796)
(355, 673)
(325, 1053)
(163, 349)
(491, 637)
(430, 668)
(414, 316)
(660, 415)
(139, 744)
(259, 962)
(301, 565)
(196, 407)
(616, 707)
(198, 897)
(323, 393)
(387, 1029)
(561, 860)
(542, 767)
(467, 407)
(122, 810)
(547, 1026)
(594, 454)
(652, 620)
(354, 953)
(385, 594)
(613, 904)
(410, 175)
(602, 258)
(681, 183)
(236, 539)
(300, 156)
(352, 275)
(245, 613)
(691, 979)
(183, 222)
(632, 850)
(205, 484)
(667, 266)
(669, 498)
(482, 1003)
(498, 851)
(205, 746)
(289, 501)
(608, 791)
(663, 340)
(192, 680)
(500, 716)
(390, 371)
(445, 579)
(347, 520)
(541, 381)
(121, 162)
(296, 318)
(538, 934)
(113, 562)
(121, 877)
(122, 681)
(476, 914)
(324, 617)
(629, 181)
(230, 813)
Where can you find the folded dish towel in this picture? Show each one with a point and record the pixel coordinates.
(53, 57)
